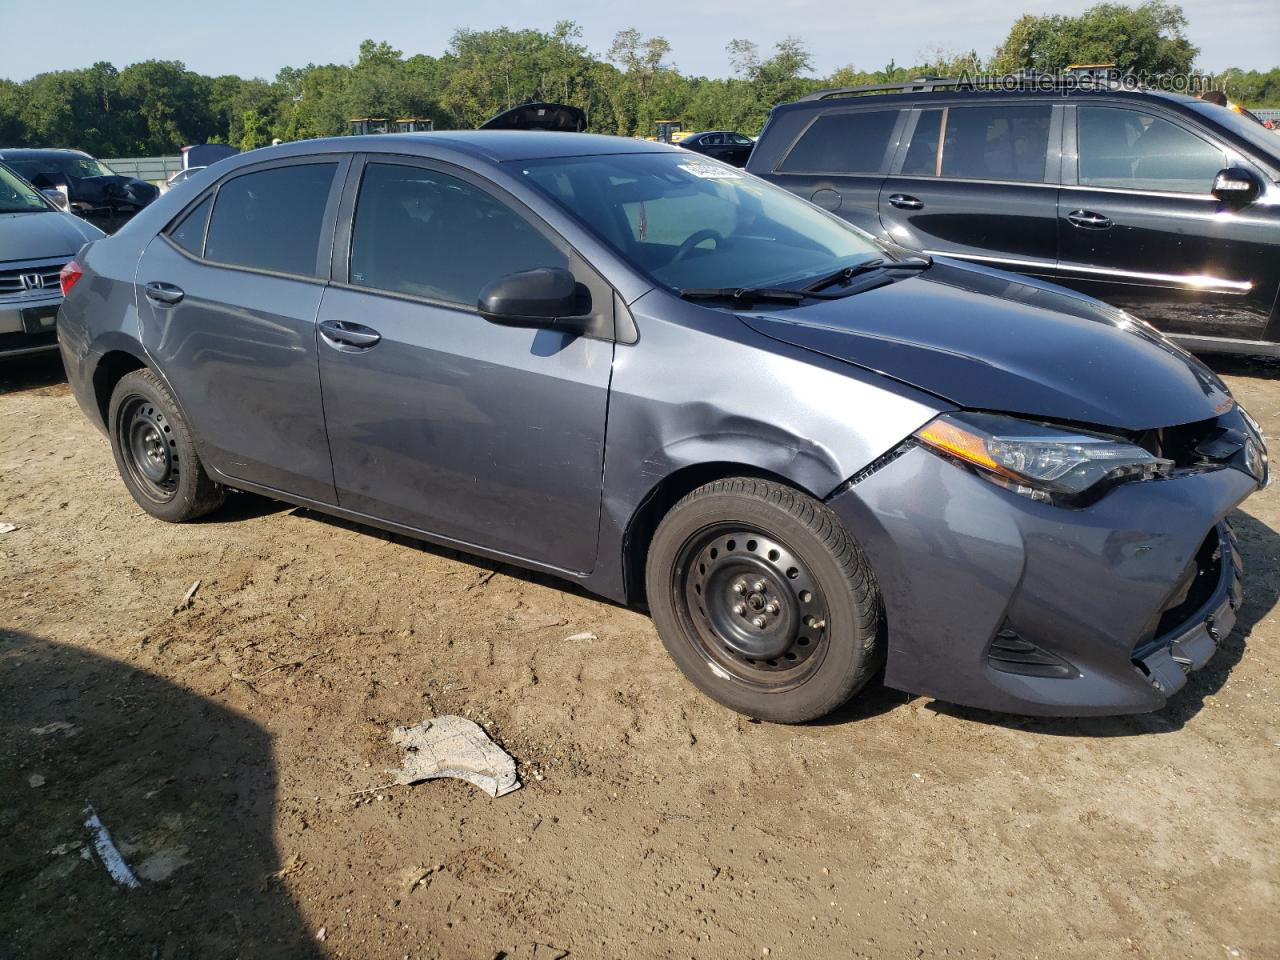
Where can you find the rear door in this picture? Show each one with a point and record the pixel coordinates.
(840, 159)
(978, 183)
(229, 294)
(1139, 228)
(439, 420)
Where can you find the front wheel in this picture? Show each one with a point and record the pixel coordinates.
(154, 451)
(764, 600)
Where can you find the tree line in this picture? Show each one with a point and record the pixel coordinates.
(159, 106)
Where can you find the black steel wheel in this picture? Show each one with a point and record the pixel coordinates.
(764, 600)
(751, 605)
(151, 449)
(155, 453)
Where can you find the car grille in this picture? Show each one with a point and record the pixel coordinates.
(11, 278)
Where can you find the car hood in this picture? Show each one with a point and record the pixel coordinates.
(39, 236)
(988, 340)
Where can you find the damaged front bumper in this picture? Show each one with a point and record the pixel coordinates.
(997, 601)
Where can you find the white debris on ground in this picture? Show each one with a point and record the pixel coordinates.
(8, 527)
(454, 747)
(107, 852)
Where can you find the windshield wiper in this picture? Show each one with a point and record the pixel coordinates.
(743, 294)
(848, 273)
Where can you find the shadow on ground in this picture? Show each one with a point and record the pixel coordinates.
(31, 372)
(186, 789)
(1260, 550)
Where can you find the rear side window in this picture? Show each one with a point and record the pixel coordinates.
(189, 233)
(844, 143)
(270, 220)
(1136, 151)
(981, 143)
(424, 233)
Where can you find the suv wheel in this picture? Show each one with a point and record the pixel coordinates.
(764, 600)
(154, 452)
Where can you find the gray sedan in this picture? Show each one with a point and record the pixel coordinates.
(806, 453)
(36, 241)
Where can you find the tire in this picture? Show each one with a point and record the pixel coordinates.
(154, 451)
(764, 600)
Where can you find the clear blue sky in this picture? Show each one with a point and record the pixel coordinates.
(257, 37)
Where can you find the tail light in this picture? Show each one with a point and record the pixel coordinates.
(69, 276)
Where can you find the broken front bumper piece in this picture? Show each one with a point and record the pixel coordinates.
(1168, 659)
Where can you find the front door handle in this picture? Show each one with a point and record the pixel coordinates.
(163, 294)
(1088, 220)
(904, 202)
(348, 336)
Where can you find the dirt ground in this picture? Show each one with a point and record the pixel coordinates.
(223, 747)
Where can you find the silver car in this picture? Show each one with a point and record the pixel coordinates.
(36, 241)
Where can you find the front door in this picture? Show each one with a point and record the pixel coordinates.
(439, 420)
(228, 297)
(978, 183)
(1140, 229)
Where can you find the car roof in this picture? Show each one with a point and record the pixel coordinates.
(495, 146)
(20, 153)
(946, 94)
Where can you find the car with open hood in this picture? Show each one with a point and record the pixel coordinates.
(806, 453)
(89, 188)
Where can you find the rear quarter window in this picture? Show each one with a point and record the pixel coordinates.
(270, 219)
(844, 143)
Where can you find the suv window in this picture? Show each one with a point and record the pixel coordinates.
(189, 233)
(421, 232)
(843, 143)
(270, 220)
(981, 143)
(1136, 151)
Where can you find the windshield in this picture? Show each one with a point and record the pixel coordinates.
(17, 196)
(691, 222)
(1258, 136)
(48, 166)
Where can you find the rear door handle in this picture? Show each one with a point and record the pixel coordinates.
(904, 202)
(1088, 220)
(347, 336)
(163, 294)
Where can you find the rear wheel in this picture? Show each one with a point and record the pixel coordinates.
(764, 600)
(154, 451)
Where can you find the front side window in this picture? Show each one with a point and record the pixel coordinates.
(687, 221)
(421, 232)
(270, 219)
(50, 168)
(739, 139)
(1137, 151)
(843, 143)
(981, 143)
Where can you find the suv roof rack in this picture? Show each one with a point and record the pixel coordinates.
(1032, 80)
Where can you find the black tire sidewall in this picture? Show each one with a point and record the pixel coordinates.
(844, 667)
(192, 496)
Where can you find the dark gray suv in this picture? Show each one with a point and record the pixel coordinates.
(808, 453)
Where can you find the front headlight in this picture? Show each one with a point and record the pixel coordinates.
(1036, 460)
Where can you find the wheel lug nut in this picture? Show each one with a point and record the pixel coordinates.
(759, 622)
(740, 609)
(739, 588)
(771, 607)
(758, 586)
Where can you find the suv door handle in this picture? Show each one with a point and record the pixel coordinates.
(1088, 220)
(904, 202)
(163, 294)
(344, 335)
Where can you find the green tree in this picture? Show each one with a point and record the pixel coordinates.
(1148, 38)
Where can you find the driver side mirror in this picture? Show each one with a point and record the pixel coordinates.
(1236, 185)
(544, 297)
